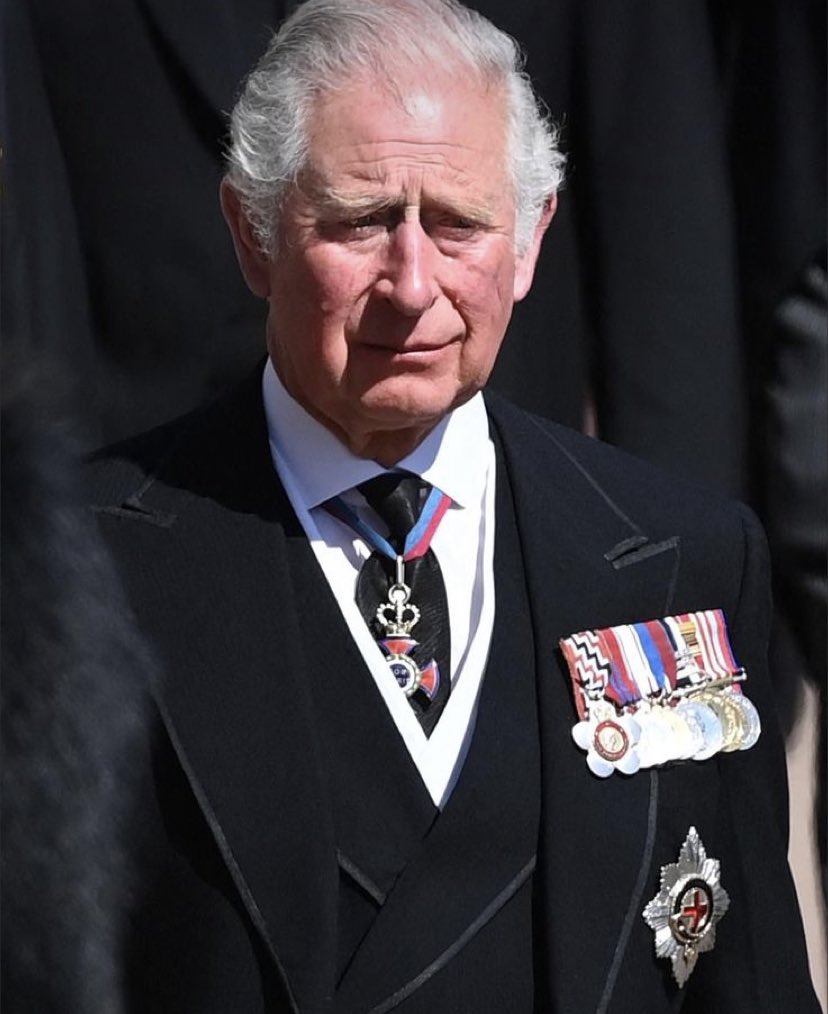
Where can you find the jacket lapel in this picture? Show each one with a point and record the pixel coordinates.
(382, 811)
(210, 533)
(588, 565)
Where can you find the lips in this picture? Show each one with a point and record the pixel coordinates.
(411, 348)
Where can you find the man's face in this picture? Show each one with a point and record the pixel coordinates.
(396, 270)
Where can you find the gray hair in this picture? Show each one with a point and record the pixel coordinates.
(327, 44)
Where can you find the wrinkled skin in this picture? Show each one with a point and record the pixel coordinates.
(396, 270)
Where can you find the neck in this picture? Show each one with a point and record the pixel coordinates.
(387, 448)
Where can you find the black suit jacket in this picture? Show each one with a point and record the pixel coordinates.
(239, 902)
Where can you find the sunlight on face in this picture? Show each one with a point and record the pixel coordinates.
(395, 277)
(422, 107)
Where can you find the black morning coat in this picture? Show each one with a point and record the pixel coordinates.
(292, 858)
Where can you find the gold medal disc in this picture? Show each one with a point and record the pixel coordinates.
(731, 717)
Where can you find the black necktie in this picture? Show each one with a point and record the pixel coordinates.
(398, 498)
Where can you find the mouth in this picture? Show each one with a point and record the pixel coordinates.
(411, 349)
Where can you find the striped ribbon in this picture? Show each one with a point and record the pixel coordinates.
(418, 539)
(639, 661)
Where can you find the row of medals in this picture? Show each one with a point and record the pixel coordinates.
(693, 723)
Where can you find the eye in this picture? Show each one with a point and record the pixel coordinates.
(458, 222)
(453, 227)
(363, 222)
(372, 221)
(359, 227)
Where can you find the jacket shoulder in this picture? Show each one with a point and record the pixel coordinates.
(636, 488)
(218, 453)
(119, 472)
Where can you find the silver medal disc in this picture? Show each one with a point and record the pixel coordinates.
(711, 727)
(695, 730)
(655, 746)
(753, 725)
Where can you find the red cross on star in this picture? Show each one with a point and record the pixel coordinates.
(695, 911)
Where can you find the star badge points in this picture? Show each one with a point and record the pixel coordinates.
(684, 913)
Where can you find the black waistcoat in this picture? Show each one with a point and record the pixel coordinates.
(438, 891)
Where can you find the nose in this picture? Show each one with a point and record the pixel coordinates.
(409, 283)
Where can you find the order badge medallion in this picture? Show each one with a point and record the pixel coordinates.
(685, 911)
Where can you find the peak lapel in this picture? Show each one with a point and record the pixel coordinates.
(213, 587)
(588, 565)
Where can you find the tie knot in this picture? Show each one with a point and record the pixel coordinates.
(398, 498)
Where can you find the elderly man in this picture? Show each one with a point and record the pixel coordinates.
(456, 709)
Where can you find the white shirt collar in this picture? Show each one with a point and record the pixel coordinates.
(453, 457)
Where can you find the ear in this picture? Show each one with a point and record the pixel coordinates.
(525, 264)
(255, 265)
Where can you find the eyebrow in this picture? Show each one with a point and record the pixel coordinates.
(335, 203)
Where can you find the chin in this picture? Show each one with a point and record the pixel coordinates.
(402, 401)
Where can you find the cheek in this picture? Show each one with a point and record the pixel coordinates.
(338, 284)
(485, 297)
(325, 301)
(310, 314)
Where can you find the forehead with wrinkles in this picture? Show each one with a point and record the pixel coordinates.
(412, 139)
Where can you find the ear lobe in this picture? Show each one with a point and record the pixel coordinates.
(255, 265)
(525, 264)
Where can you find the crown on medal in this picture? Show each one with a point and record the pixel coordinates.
(398, 615)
